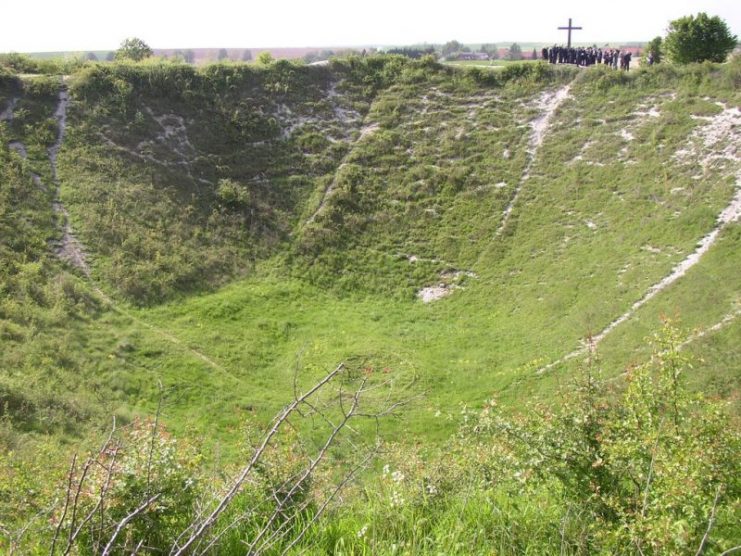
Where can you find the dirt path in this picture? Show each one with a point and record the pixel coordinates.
(67, 248)
(365, 132)
(162, 333)
(346, 118)
(705, 144)
(720, 325)
(327, 191)
(547, 103)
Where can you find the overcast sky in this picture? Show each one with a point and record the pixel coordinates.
(81, 25)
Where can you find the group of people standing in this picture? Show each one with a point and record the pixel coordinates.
(587, 56)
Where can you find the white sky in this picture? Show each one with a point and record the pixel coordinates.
(81, 25)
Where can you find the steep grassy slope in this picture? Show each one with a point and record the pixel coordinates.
(200, 178)
(44, 308)
(241, 228)
(543, 205)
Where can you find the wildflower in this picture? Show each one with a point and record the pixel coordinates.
(363, 531)
(396, 499)
(397, 476)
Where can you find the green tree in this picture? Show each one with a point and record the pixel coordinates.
(490, 49)
(223, 54)
(515, 52)
(91, 57)
(699, 38)
(451, 47)
(654, 48)
(265, 58)
(133, 49)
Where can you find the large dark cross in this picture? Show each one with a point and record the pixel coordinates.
(570, 28)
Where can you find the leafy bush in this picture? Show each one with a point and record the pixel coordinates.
(42, 88)
(19, 63)
(232, 194)
(699, 38)
(147, 464)
(653, 466)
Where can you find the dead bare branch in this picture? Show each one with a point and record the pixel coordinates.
(154, 437)
(76, 501)
(70, 478)
(711, 522)
(125, 521)
(74, 533)
(200, 529)
(307, 472)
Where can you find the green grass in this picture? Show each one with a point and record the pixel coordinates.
(226, 292)
(431, 182)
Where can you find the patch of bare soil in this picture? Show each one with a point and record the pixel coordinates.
(433, 293)
(68, 248)
(451, 281)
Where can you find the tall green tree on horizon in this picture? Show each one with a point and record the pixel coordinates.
(515, 52)
(265, 58)
(133, 49)
(451, 47)
(699, 38)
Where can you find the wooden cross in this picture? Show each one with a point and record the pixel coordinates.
(569, 28)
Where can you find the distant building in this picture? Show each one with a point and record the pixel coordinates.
(634, 50)
(473, 56)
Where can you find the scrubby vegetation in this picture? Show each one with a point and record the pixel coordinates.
(244, 221)
(637, 465)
